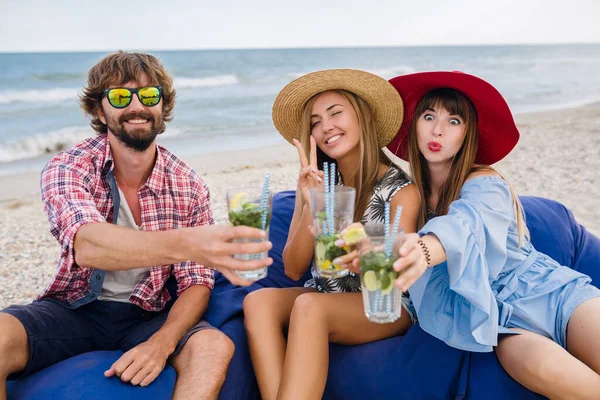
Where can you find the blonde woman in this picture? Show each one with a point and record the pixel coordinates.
(345, 117)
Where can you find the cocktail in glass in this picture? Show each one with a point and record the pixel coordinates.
(329, 218)
(244, 208)
(382, 300)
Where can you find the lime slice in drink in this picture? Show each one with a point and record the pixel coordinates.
(371, 281)
(354, 235)
(238, 201)
(320, 252)
(387, 282)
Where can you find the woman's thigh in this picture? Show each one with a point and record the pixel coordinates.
(345, 317)
(272, 304)
(583, 333)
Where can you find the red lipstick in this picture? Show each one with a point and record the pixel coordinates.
(434, 146)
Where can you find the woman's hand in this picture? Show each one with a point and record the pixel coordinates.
(349, 261)
(310, 176)
(411, 264)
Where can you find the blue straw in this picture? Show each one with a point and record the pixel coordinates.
(264, 198)
(389, 240)
(326, 195)
(332, 198)
(386, 229)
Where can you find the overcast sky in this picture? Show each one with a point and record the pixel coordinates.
(75, 25)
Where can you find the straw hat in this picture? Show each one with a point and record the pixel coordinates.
(377, 92)
(498, 134)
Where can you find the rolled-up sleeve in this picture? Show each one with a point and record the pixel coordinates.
(68, 204)
(190, 273)
(457, 304)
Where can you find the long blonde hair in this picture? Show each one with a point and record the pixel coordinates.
(463, 163)
(370, 154)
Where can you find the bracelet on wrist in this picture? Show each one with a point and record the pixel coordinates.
(425, 252)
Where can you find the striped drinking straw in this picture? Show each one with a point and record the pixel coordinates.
(326, 198)
(264, 199)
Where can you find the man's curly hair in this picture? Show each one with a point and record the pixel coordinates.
(119, 68)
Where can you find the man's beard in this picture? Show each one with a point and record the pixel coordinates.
(138, 139)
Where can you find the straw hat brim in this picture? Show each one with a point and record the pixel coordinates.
(383, 98)
(498, 133)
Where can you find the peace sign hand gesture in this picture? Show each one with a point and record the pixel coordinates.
(310, 176)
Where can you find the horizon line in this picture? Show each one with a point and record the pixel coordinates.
(298, 48)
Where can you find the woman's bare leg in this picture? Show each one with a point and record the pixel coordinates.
(316, 320)
(583, 334)
(543, 366)
(266, 317)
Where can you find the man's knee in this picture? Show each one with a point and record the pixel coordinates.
(210, 343)
(14, 345)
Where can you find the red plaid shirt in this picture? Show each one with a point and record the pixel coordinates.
(75, 191)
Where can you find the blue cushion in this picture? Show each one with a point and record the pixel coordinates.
(409, 367)
(82, 377)
(418, 365)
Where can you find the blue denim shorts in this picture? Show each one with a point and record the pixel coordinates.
(56, 333)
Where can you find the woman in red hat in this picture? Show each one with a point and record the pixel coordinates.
(478, 283)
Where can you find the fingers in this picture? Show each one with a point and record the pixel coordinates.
(408, 277)
(245, 248)
(313, 152)
(234, 278)
(410, 241)
(150, 378)
(145, 375)
(132, 370)
(120, 365)
(303, 161)
(313, 173)
(236, 232)
(354, 266)
(347, 259)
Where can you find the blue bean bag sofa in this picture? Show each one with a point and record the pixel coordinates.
(413, 366)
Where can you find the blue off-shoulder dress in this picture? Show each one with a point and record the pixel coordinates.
(489, 283)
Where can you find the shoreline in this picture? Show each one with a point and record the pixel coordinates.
(556, 158)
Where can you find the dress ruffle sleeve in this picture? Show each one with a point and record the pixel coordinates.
(454, 300)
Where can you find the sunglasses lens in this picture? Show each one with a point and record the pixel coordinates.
(119, 98)
(149, 96)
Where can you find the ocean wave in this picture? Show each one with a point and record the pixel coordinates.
(38, 95)
(60, 77)
(56, 141)
(43, 143)
(217, 80)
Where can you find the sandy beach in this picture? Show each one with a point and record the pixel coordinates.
(557, 157)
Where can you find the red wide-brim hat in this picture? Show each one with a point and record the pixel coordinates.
(498, 133)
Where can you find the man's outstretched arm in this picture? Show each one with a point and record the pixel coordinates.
(111, 247)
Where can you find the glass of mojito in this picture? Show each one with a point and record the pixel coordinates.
(382, 300)
(244, 208)
(331, 212)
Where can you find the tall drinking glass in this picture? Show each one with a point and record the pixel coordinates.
(331, 212)
(382, 300)
(244, 209)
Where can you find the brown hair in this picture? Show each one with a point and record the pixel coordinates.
(370, 155)
(119, 68)
(463, 163)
